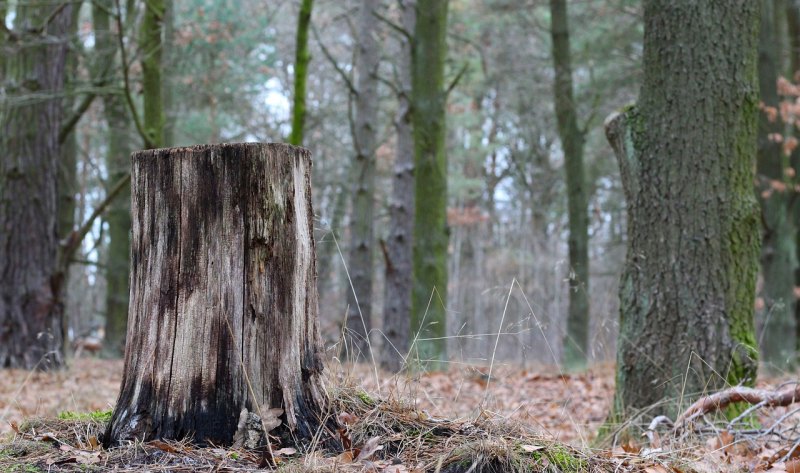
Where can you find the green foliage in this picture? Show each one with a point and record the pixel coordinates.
(97, 416)
(224, 55)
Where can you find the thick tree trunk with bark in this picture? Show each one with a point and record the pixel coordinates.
(686, 159)
(223, 316)
(397, 248)
(778, 252)
(431, 235)
(359, 297)
(31, 311)
(576, 342)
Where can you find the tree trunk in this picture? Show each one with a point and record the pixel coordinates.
(224, 313)
(302, 58)
(793, 30)
(359, 297)
(398, 253)
(778, 257)
(168, 88)
(429, 296)
(576, 343)
(117, 163)
(685, 153)
(151, 46)
(68, 163)
(31, 312)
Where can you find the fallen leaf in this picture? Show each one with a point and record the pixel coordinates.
(370, 446)
(163, 446)
(655, 469)
(286, 451)
(345, 418)
(345, 457)
(531, 448)
(346, 442)
(793, 466)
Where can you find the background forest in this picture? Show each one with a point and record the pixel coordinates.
(228, 72)
(553, 185)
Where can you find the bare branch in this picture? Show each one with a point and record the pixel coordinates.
(134, 113)
(457, 78)
(348, 82)
(73, 242)
(723, 399)
(406, 34)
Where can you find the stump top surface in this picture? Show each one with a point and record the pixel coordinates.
(221, 147)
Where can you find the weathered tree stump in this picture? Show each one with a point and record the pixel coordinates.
(223, 310)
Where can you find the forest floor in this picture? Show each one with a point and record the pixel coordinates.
(516, 419)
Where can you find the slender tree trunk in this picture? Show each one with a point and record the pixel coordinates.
(778, 252)
(168, 83)
(31, 310)
(224, 316)
(576, 343)
(686, 158)
(429, 296)
(359, 297)
(302, 58)
(793, 30)
(117, 163)
(151, 46)
(68, 164)
(398, 252)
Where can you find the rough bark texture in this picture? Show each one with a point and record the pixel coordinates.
(576, 341)
(362, 234)
(301, 60)
(429, 296)
(31, 312)
(150, 35)
(686, 158)
(778, 252)
(398, 252)
(224, 305)
(117, 163)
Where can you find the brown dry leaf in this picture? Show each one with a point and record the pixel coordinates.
(656, 469)
(94, 443)
(87, 458)
(346, 442)
(793, 466)
(163, 446)
(345, 457)
(14, 427)
(631, 447)
(722, 441)
(47, 437)
(345, 418)
(370, 446)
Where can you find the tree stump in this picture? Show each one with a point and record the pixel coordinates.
(223, 332)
